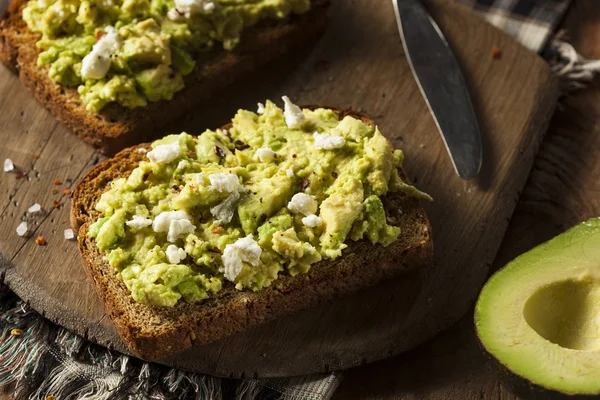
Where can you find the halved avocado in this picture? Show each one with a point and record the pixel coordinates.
(539, 317)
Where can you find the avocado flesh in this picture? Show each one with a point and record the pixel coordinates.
(539, 316)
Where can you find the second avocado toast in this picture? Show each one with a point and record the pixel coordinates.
(339, 199)
(194, 51)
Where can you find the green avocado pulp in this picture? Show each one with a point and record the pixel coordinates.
(276, 193)
(134, 51)
(539, 316)
(567, 313)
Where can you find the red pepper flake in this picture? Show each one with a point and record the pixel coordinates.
(496, 53)
(21, 174)
(191, 154)
(99, 34)
(40, 241)
(57, 182)
(55, 203)
(36, 156)
(67, 191)
(53, 191)
(217, 230)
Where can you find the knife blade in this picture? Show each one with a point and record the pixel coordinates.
(442, 84)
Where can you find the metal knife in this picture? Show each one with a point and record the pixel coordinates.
(442, 84)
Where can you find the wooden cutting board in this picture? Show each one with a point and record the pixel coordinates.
(359, 63)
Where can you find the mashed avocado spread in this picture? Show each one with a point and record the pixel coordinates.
(134, 51)
(279, 191)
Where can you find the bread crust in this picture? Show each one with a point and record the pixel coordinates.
(154, 332)
(116, 127)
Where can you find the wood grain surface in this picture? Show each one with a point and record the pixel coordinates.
(359, 63)
(563, 189)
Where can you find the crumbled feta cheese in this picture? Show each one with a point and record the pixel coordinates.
(165, 153)
(175, 223)
(22, 228)
(179, 228)
(185, 8)
(303, 203)
(97, 63)
(175, 254)
(139, 222)
(200, 178)
(261, 108)
(182, 164)
(69, 234)
(294, 117)
(224, 182)
(290, 173)
(328, 142)
(265, 154)
(8, 165)
(175, 15)
(224, 212)
(35, 208)
(142, 150)
(312, 221)
(243, 250)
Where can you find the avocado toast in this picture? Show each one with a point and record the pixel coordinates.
(158, 73)
(314, 196)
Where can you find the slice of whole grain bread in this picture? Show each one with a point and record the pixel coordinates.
(116, 127)
(154, 332)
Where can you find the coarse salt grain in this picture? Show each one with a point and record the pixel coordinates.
(22, 228)
(69, 234)
(35, 208)
(8, 165)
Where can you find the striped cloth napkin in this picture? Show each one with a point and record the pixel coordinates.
(43, 360)
(531, 22)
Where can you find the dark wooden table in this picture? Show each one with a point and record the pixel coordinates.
(562, 190)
